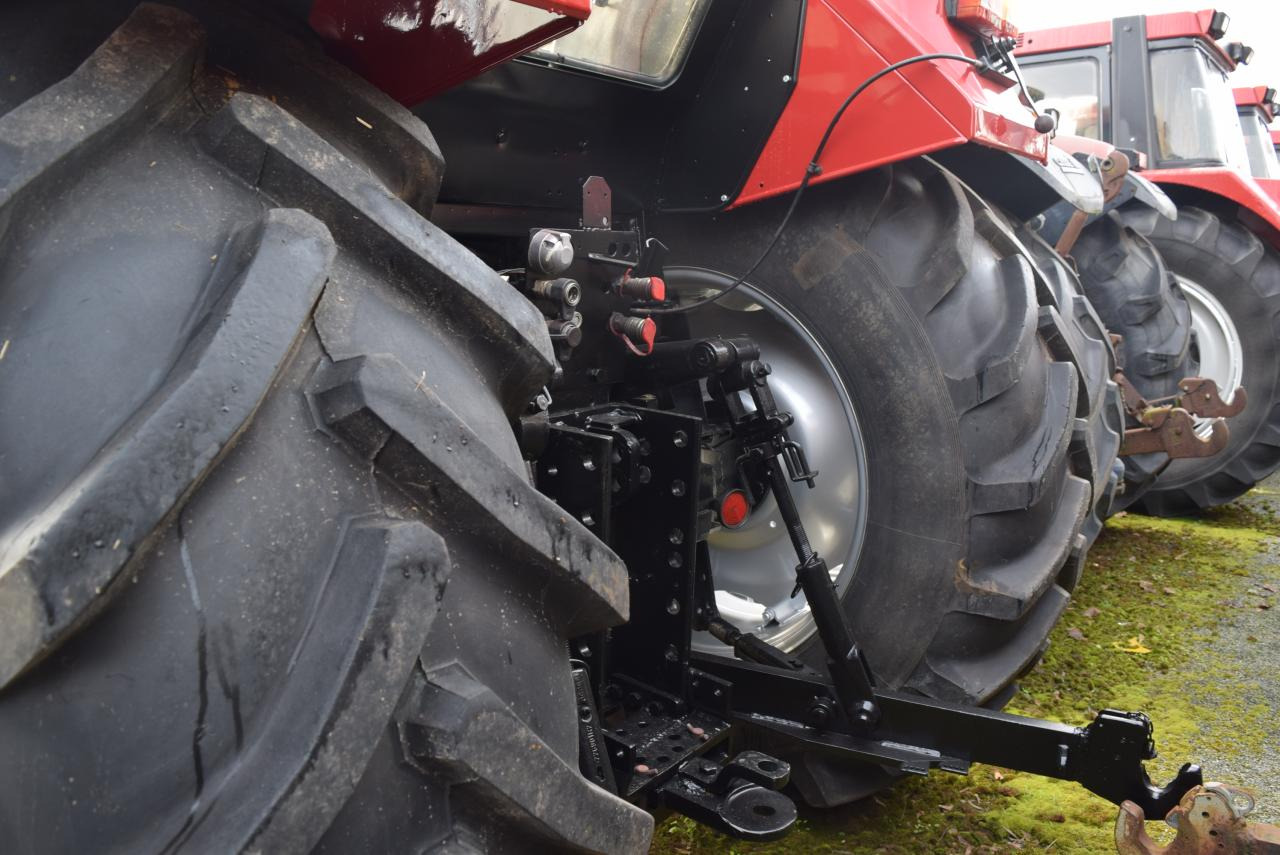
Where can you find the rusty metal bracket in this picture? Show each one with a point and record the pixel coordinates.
(1200, 397)
(1173, 431)
(1110, 172)
(1209, 819)
(1169, 423)
(1134, 404)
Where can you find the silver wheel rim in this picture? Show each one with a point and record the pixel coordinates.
(1221, 354)
(754, 565)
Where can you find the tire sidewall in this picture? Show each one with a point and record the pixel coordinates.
(1253, 320)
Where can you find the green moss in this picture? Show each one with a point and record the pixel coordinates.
(1151, 584)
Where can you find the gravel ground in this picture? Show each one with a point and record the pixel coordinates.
(1250, 636)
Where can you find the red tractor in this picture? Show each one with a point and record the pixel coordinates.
(1156, 86)
(715, 422)
(1257, 107)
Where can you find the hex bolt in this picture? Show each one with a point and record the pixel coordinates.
(677, 488)
(820, 710)
(680, 439)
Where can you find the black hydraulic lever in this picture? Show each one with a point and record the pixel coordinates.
(766, 445)
(848, 666)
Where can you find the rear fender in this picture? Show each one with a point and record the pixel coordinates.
(1023, 187)
(1226, 192)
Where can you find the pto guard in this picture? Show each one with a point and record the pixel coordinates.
(414, 51)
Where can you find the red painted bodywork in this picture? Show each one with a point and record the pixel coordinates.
(1174, 25)
(1275, 138)
(922, 108)
(400, 47)
(1251, 96)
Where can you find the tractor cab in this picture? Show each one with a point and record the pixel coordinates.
(1257, 107)
(1155, 85)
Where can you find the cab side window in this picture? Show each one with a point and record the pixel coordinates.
(1070, 87)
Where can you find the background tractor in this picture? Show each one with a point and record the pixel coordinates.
(1157, 87)
(714, 423)
(1257, 107)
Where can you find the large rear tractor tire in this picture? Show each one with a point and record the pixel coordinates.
(978, 404)
(274, 577)
(1231, 280)
(1137, 297)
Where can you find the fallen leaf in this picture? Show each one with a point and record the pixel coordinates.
(1271, 588)
(1262, 607)
(1076, 634)
(1057, 817)
(1092, 612)
(945, 808)
(1147, 586)
(1169, 590)
(997, 774)
(1134, 645)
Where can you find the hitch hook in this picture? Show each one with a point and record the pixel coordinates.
(1209, 819)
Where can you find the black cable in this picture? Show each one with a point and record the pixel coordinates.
(810, 171)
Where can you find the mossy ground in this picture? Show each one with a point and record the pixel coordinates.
(1141, 633)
